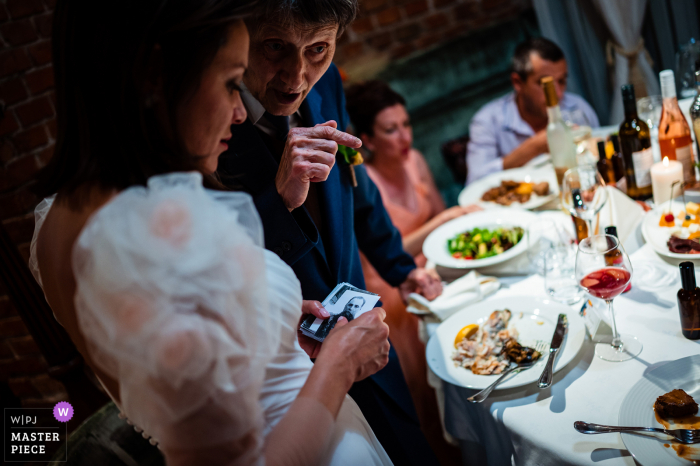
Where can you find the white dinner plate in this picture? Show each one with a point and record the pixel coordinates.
(637, 410)
(539, 318)
(435, 245)
(658, 236)
(474, 190)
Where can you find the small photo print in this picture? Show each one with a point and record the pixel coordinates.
(344, 301)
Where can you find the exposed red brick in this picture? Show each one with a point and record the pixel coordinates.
(24, 251)
(380, 41)
(25, 366)
(52, 128)
(466, 10)
(30, 139)
(16, 203)
(456, 31)
(4, 15)
(13, 327)
(34, 111)
(362, 25)
(22, 387)
(46, 154)
(407, 33)
(8, 124)
(18, 32)
(429, 40)
(21, 8)
(19, 229)
(415, 8)
(18, 172)
(14, 61)
(40, 52)
(48, 386)
(373, 5)
(46, 402)
(493, 4)
(23, 346)
(5, 351)
(441, 3)
(43, 24)
(12, 91)
(40, 80)
(438, 20)
(403, 50)
(7, 150)
(352, 50)
(6, 307)
(389, 16)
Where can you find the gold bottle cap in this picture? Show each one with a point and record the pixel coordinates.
(550, 94)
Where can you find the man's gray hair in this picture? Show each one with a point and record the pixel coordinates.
(305, 13)
(357, 297)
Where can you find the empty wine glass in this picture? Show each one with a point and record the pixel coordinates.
(583, 193)
(604, 270)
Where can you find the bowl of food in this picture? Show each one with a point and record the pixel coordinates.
(480, 239)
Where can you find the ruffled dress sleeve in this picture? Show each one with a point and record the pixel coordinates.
(172, 299)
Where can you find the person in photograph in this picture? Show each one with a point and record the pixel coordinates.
(165, 287)
(511, 130)
(349, 311)
(284, 155)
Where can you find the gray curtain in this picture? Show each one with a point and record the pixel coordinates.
(577, 28)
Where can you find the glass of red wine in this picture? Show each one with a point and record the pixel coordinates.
(604, 270)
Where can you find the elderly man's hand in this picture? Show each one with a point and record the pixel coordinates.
(425, 282)
(309, 345)
(309, 155)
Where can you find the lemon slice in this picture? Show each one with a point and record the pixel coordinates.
(466, 333)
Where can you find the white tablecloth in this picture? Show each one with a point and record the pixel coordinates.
(529, 426)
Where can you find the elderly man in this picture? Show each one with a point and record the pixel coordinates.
(284, 155)
(511, 130)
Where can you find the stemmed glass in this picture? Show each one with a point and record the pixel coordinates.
(604, 270)
(583, 193)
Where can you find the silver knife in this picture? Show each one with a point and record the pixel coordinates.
(559, 333)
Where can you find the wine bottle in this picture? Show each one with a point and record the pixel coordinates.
(559, 137)
(635, 144)
(689, 302)
(695, 108)
(617, 161)
(580, 226)
(674, 133)
(604, 165)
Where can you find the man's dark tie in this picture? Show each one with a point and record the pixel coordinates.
(280, 123)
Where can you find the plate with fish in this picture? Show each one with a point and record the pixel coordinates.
(472, 347)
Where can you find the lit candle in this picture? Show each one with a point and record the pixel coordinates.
(663, 175)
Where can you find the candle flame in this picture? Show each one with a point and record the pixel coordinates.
(665, 161)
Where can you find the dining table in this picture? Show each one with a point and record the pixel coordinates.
(532, 426)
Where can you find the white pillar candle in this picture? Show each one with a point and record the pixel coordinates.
(663, 175)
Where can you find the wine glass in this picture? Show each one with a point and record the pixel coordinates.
(583, 193)
(604, 270)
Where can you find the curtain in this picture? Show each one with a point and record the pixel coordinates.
(626, 53)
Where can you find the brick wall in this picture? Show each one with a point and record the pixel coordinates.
(27, 134)
(386, 30)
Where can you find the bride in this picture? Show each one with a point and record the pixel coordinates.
(163, 285)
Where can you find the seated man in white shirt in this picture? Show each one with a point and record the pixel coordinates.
(511, 130)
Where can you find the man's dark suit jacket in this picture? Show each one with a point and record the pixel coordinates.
(355, 219)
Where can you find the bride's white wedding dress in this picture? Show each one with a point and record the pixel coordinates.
(179, 301)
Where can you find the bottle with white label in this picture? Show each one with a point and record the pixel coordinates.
(559, 137)
(635, 145)
(675, 141)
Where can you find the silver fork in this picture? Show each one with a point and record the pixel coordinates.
(682, 435)
(540, 346)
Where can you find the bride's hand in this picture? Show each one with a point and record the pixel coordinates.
(361, 346)
(309, 345)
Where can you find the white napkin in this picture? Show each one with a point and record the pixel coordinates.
(621, 211)
(457, 295)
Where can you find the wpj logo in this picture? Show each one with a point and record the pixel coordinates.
(36, 434)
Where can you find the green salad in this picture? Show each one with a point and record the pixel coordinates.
(480, 243)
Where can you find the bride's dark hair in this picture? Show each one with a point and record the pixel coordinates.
(103, 53)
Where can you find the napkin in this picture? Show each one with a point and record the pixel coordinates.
(621, 211)
(469, 289)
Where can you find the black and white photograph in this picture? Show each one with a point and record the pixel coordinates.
(344, 301)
